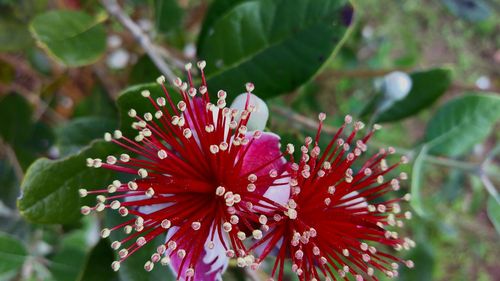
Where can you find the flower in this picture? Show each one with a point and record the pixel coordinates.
(200, 175)
(338, 218)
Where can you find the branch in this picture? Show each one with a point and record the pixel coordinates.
(302, 121)
(142, 38)
(11, 155)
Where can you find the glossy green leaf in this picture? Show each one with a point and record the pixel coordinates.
(461, 123)
(97, 267)
(68, 261)
(37, 144)
(99, 103)
(79, 132)
(276, 44)
(12, 256)
(169, 15)
(72, 37)
(10, 185)
(50, 187)
(427, 87)
(15, 113)
(216, 10)
(494, 212)
(416, 182)
(143, 71)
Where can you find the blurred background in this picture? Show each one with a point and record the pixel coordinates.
(428, 71)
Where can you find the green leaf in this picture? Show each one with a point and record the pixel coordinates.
(143, 71)
(132, 98)
(79, 132)
(97, 267)
(10, 185)
(98, 104)
(427, 87)
(15, 113)
(277, 44)
(169, 15)
(72, 37)
(12, 256)
(67, 263)
(50, 187)
(461, 123)
(14, 35)
(424, 261)
(493, 209)
(217, 10)
(37, 144)
(416, 182)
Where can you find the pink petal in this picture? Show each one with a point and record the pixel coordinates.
(208, 268)
(262, 156)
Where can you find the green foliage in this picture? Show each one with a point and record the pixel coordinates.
(461, 123)
(73, 38)
(427, 87)
(97, 266)
(52, 109)
(50, 187)
(66, 263)
(12, 256)
(494, 212)
(13, 35)
(15, 113)
(97, 104)
(265, 40)
(144, 71)
(168, 15)
(416, 182)
(79, 132)
(29, 139)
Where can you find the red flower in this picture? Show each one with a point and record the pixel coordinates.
(338, 218)
(201, 176)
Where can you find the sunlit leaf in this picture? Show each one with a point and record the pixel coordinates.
(277, 44)
(416, 182)
(79, 132)
(72, 37)
(13, 253)
(461, 123)
(50, 187)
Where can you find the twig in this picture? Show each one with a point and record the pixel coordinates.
(142, 38)
(306, 122)
(489, 186)
(11, 155)
(167, 54)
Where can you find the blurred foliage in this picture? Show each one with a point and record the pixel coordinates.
(69, 72)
